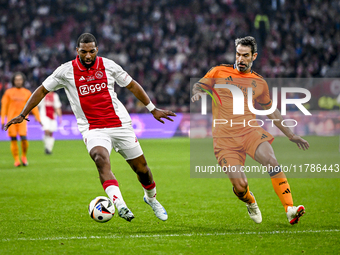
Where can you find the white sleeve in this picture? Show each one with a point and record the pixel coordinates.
(55, 80)
(122, 77)
(56, 101)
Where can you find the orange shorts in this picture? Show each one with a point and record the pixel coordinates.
(232, 150)
(18, 129)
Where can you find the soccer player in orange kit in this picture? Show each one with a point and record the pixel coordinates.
(12, 103)
(233, 141)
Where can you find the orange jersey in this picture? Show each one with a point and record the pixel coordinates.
(234, 125)
(12, 103)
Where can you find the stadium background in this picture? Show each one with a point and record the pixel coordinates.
(163, 44)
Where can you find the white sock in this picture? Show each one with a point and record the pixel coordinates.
(150, 191)
(112, 190)
(50, 143)
(45, 141)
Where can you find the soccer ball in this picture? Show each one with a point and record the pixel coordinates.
(101, 209)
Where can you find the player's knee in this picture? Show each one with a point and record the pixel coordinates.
(141, 167)
(100, 159)
(272, 161)
(240, 186)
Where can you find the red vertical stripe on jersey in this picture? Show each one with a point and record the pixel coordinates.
(94, 96)
(49, 105)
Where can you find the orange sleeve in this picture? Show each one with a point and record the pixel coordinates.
(208, 79)
(264, 99)
(4, 106)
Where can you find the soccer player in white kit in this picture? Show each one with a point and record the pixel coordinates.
(102, 119)
(49, 109)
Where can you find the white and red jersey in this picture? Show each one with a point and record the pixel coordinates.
(91, 92)
(48, 105)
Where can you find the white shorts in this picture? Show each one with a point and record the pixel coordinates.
(49, 124)
(121, 139)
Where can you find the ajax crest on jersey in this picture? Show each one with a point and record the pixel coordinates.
(101, 209)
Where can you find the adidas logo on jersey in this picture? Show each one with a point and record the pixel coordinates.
(229, 78)
(82, 78)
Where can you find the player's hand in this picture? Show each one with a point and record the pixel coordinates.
(197, 96)
(2, 126)
(300, 142)
(15, 120)
(159, 113)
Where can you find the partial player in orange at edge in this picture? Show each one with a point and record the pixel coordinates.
(12, 103)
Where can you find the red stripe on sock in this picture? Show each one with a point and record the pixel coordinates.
(109, 183)
(150, 186)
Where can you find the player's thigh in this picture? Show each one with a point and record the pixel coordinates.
(22, 129)
(231, 157)
(13, 130)
(126, 143)
(265, 154)
(97, 138)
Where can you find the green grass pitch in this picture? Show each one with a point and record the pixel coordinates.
(44, 206)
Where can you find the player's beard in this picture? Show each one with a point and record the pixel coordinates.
(245, 68)
(87, 66)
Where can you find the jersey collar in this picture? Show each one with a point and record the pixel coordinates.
(82, 68)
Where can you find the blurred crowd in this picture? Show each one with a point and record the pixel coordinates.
(162, 44)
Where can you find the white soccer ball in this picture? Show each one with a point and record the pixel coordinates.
(101, 209)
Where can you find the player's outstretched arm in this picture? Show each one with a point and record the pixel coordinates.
(141, 95)
(277, 120)
(32, 102)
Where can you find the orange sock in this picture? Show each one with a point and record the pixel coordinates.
(246, 196)
(24, 147)
(282, 189)
(15, 150)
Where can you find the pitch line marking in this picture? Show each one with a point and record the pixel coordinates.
(169, 235)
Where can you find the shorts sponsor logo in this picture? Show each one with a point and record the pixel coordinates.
(87, 89)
